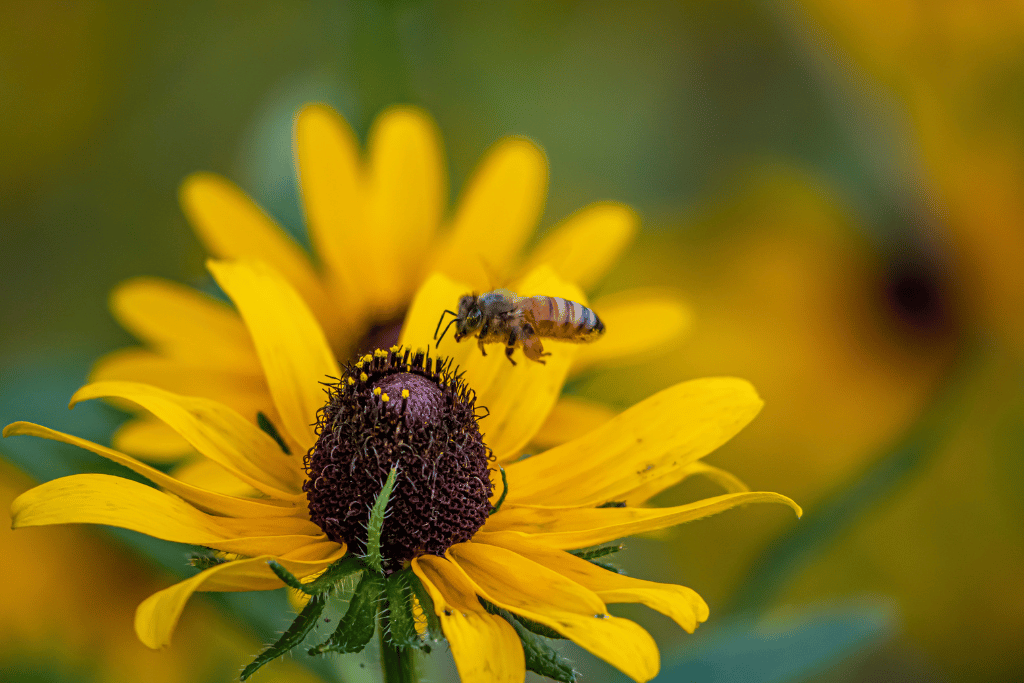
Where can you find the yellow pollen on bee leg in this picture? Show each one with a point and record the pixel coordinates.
(363, 377)
(405, 393)
(367, 358)
(351, 381)
(385, 398)
(376, 392)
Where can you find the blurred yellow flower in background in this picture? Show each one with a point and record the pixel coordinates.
(584, 493)
(378, 228)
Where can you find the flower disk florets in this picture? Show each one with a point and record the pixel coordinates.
(412, 413)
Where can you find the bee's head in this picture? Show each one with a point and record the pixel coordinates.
(470, 318)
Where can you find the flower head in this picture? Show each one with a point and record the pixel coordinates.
(488, 583)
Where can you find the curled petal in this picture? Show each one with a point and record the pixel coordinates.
(291, 346)
(660, 434)
(583, 527)
(682, 604)
(214, 502)
(214, 430)
(485, 647)
(157, 616)
(525, 587)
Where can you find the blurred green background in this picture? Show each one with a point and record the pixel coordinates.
(837, 187)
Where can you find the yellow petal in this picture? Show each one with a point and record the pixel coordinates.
(207, 474)
(519, 397)
(570, 419)
(637, 322)
(569, 528)
(243, 389)
(407, 191)
(150, 438)
(327, 163)
(157, 616)
(214, 430)
(291, 346)
(182, 322)
(649, 489)
(666, 431)
(211, 501)
(525, 587)
(104, 499)
(496, 215)
(485, 647)
(232, 226)
(681, 604)
(584, 246)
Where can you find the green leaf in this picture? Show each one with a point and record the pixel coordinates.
(295, 634)
(594, 553)
(504, 491)
(376, 525)
(266, 425)
(541, 658)
(434, 632)
(401, 624)
(528, 624)
(326, 582)
(357, 626)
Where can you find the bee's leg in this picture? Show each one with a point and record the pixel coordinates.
(510, 345)
(533, 348)
(481, 335)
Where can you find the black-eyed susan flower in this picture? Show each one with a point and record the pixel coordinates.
(378, 227)
(400, 472)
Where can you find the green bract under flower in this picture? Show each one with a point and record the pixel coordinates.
(390, 410)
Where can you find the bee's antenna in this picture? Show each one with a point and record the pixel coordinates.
(440, 320)
(446, 329)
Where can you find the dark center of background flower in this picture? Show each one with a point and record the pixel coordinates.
(389, 409)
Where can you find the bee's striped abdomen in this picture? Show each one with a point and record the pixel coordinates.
(560, 318)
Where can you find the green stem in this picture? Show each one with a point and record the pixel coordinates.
(396, 663)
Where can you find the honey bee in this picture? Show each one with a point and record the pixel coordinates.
(503, 316)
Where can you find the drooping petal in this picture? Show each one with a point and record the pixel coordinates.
(569, 419)
(653, 487)
(525, 587)
(291, 346)
(518, 397)
(332, 184)
(157, 616)
(485, 647)
(214, 430)
(584, 246)
(232, 226)
(636, 322)
(496, 215)
(669, 430)
(682, 604)
(184, 323)
(105, 499)
(211, 501)
(582, 527)
(407, 191)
